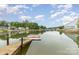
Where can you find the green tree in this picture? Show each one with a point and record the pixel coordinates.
(16, 24)
(78, 23)
(3, 23)
(61, 27)
(42, 27)
(32, 25)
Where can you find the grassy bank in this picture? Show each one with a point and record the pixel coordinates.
(70, 31)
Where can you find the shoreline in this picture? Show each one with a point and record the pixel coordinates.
(69, 31)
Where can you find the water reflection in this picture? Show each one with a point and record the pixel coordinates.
(53, 43)
(23, 50)
(3, 43)
(9, 38)
(61, 32)
(74, 37)
(14, 37)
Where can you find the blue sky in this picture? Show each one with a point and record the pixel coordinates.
(49, 15)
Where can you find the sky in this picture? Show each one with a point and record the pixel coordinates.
(49, 15)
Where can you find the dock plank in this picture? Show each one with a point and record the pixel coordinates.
(13, 47)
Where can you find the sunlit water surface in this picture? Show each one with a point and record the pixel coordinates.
(52, 43)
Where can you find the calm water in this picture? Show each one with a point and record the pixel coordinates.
(3, 43)
(51, 43)
(74, 37)
(13, 37)
(54, 43)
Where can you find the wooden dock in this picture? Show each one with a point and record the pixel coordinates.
(14, 48)
(34, 37)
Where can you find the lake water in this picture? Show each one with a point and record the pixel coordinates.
(3, 43)
(51, 43)
(12, 39)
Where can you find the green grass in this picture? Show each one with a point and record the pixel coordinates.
(77, 41)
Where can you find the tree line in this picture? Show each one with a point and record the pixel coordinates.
(30, 25)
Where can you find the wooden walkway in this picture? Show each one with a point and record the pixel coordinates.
(34, 37)
(12, 49)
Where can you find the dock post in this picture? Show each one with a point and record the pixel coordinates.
(7, 39)
(21, 44)
(60, 32)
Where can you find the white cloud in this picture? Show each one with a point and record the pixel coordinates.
(60, 6)
(67, 19)
(39, 17)
(66, 6)
(70, 18)
(21, 12)
(74, 14)
(35, 5)
(24, 18)
(1, 13)
(65, 14)
(62, 12)
(3, 6)
(12, 9)
(21, 6)
(16, 8)
(53, 5)
(54, 15)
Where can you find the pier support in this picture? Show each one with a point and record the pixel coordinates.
(7, 39)
(21, 44)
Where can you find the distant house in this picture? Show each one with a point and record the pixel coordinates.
(13, 28)
(3, 27)
(21, 28)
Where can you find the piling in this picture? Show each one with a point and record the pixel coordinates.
(21, 44)
(7, 39)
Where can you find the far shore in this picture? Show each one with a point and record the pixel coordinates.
(69, 31)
